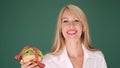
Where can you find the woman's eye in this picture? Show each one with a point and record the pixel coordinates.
(76, 20)
(65, 21)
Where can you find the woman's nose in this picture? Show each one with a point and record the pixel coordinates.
(71, 24)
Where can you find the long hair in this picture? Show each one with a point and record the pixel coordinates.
(59, 40)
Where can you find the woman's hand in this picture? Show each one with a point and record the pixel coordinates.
(29, 65)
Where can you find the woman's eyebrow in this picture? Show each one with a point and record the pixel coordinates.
(64, 18)
(75, 18)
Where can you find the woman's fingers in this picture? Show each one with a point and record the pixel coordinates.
(41, 65)
(25, 65)
(29, 65)
(33, 65)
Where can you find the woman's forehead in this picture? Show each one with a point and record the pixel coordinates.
(67, 12)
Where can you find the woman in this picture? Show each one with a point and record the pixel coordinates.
(72, 48)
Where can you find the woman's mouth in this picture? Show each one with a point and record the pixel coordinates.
(71, 32)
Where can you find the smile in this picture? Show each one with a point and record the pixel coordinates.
(71, 32)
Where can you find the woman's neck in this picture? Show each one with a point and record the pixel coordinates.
(74, 48)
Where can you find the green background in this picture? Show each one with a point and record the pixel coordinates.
(33, 22)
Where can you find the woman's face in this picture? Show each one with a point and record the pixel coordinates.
(71, 26)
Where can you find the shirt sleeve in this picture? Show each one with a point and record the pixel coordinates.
(103, 63)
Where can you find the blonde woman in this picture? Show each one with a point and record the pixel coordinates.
(72, 47)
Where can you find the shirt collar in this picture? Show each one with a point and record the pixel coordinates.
(86, 52)
(64, 54)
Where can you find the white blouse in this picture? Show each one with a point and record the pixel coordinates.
(91, 60)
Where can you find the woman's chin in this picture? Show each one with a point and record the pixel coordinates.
(72, 37)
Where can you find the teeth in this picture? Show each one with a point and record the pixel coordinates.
(71, 32)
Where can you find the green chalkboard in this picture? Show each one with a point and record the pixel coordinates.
(33, 22)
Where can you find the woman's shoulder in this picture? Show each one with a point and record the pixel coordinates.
(97, 54)
(93, 52)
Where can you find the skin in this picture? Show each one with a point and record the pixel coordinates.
(72, 30)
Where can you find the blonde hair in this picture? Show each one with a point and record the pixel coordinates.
(59, 39)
